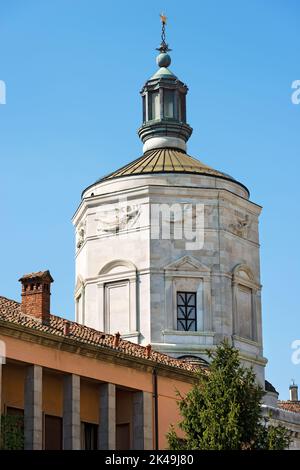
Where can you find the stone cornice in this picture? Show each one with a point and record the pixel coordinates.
(202, 349)
(151, 189)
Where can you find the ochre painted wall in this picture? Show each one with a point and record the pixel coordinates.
(124, 407)
(84, 366)
(57, 363)
(124, 410)
(168, 411)
(13, 377)
(89, 402)
(52, 393)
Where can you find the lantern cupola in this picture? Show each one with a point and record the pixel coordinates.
(164, 105)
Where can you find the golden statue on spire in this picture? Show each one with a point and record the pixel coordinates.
(163, 46)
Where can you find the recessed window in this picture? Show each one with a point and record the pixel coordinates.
(89, 436)
(53, 432)
(182, 108)
(186, 311)
(123, 436)
(144, 108)
(169, 104)
(154, 105)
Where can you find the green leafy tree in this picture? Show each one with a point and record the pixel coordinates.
(222, 411)
(12, 432)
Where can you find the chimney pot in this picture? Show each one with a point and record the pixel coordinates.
(116, 340)
(148, 350)
(66, 328)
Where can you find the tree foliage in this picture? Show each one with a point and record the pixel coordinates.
(222, 411)
(12, 432)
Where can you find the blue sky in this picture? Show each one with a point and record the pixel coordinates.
(73, 71)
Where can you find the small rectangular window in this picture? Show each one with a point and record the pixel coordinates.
(144, 108)
(182, 108)
(154, 105)
(186, 311)
(169, 104)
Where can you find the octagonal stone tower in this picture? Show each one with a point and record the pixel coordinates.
(167, 248)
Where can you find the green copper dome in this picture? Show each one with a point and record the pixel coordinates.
(163, 72)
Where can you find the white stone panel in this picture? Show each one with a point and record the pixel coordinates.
(117, 307)
(244, 312)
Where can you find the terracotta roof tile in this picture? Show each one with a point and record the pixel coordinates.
(10, 311)
(290, 405)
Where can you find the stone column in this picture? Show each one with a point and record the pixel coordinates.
(142, 421)
(107, 424)
(71, 416)
(33, 416)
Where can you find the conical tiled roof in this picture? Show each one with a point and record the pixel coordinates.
(165, 160)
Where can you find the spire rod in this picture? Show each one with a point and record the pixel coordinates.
(163, 45)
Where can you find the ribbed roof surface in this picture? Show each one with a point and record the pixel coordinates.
(165, 160)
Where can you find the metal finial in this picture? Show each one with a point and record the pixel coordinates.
(163, 18)
(163, 46)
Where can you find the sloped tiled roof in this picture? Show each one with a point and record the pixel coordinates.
(290, 405)
(10, 311)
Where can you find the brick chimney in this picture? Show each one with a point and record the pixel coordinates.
(36, 295)
(294, 392)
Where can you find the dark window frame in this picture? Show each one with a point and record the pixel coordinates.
(186, 311)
